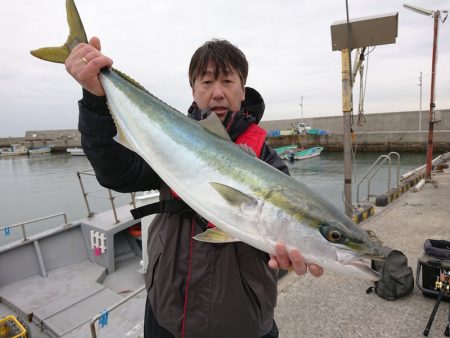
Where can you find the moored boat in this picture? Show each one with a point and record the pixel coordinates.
(14, 150)
(285, 149)
(76, 151)
(40, 150)
(302, 154)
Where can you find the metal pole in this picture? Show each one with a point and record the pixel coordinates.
(301, 104)
(347, 109)
(90, 214)
(111, 198)
(420, 111)
(436, 16)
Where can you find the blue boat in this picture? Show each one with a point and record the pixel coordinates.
(302, 154)
(285, 149)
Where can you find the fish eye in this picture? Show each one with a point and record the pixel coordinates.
(332, 234)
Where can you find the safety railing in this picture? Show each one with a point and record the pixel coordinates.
(111, 197)
(373, 171)
(22, 225)
(103, 316)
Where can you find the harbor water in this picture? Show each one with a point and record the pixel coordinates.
(38, 186)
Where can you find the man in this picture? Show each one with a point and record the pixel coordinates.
(195, 289)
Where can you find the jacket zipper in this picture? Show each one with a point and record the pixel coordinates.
(186, 293)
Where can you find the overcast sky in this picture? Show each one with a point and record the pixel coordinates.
(287, 44)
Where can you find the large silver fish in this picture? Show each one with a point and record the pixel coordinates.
(247, 199)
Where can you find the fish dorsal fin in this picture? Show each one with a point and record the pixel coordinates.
(215, 235)
(130, 79)
(215, 126)
(247, 149)
(233, 196)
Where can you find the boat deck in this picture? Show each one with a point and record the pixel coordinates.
(65, 301)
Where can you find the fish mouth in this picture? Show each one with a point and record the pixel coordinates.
(360, 261)
(348, 257)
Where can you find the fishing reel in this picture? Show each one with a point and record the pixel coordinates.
(442, 283)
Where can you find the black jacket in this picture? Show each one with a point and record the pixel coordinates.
(232, 291)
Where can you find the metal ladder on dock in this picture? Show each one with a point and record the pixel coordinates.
(373, 171)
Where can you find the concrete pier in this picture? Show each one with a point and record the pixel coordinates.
(337, 306)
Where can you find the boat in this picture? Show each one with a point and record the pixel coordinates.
(302, 154)
(76, 151)
(285, 149)
(67, 281)
(14, 150)
(40, 150)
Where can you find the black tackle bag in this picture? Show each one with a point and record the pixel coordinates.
(435, 259)
(397, 278)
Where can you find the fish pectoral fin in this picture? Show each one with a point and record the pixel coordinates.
(215, 126)
(233, 196)
(215, 235)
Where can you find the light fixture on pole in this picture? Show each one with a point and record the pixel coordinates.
(436, 15)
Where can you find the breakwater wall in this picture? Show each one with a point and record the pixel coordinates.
(370, 142)
(59, 139)
(399, 131)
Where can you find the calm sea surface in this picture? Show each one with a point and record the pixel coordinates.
(38, 186)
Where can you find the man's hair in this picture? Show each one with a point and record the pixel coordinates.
(222, 55)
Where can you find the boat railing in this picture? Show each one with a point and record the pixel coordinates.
(373, 170)
(101, 315)
(22, 225)
(111, 197)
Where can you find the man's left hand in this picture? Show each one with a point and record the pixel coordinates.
(293, 259)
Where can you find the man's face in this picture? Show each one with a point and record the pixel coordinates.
(219, 95)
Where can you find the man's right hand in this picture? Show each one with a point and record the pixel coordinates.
(84, 64)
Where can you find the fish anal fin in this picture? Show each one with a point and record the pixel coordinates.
(215, 235)
(121, 139)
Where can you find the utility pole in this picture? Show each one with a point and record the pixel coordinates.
(436, 15)
(420, 106)
(301, 105)
(345, 36)
(347, 140)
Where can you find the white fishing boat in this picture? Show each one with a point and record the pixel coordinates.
(14, 150)
(76, 151)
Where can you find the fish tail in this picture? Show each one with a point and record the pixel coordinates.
(76, 35)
